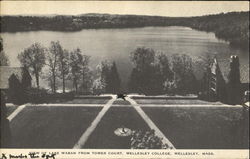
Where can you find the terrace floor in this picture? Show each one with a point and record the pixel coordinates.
(91, 122)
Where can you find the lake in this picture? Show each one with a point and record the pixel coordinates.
(116, 44)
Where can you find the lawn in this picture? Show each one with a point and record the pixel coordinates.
(85, 101)
(103, 136)
(202, 128)
(185, 127)
(51, 127)
(174, 101)
(11, 109)
(121, 102)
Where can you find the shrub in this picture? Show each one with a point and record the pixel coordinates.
(16, 93)
(147, 140)
(36, 95)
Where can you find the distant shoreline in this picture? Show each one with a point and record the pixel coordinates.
(232, 27)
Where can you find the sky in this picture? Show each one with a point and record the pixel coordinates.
(159, 8)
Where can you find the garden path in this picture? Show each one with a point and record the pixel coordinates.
(149, 122)
(93, 125)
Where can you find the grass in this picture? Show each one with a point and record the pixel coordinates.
(202, 128)
(173, 101)
(104, 138)
(51, 127)
(11, 109)
(185, 127)
(121, 102)
(85, 101)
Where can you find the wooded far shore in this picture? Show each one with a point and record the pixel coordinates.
(232, 27)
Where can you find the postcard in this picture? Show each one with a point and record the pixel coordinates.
(124, 79)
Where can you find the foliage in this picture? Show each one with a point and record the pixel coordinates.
(142, 58)
(26, 79)
(167, 74)
(98, 86)
(153, 73)
(204, 63)
(108, 80)
(5, 135)
(33, 58)
(146, 75)
(64, 66)
(38, 95)
(184, 77)
(86, 74)
(147, 140)
(234, 81)
(55, 50)
(111, 77)
(80, 71)
(4, 61)
(16, 92)
(115, 81)
(76, 60)
(60, 64)
(237, 33)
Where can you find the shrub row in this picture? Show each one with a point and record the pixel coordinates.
(34, 95)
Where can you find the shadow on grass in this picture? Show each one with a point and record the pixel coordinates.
(104, 138)
(51, 127)
(203, 128)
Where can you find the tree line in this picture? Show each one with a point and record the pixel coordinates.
(153, 73)
(61, 65)
(4, 60)
(233, 26)
(161, 74)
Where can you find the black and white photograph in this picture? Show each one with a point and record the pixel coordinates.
(166, 75)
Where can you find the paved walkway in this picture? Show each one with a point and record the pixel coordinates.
(150, 122)
(83, 139)
(14, 114)
(192, 105)
(123, 105)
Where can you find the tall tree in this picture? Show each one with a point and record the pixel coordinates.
(142, 57)
(26, 79)
(108, 80)
(99, 84)
(183, 74)
(133, 83)
(4, 61)
(85, 72)
(15, 92)
(234, 81)
(55, 50)
(114, 80)
(105, 76)
(76, 59)
(64, 66)
(145, 71)
(166, 73)
(33, 58)
(204, 63)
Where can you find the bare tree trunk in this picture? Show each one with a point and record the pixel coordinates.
(63, 78)
(83, 84)
(37, 79)
(76, 86)
(54, 82)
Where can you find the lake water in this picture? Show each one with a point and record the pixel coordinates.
(116, 44)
